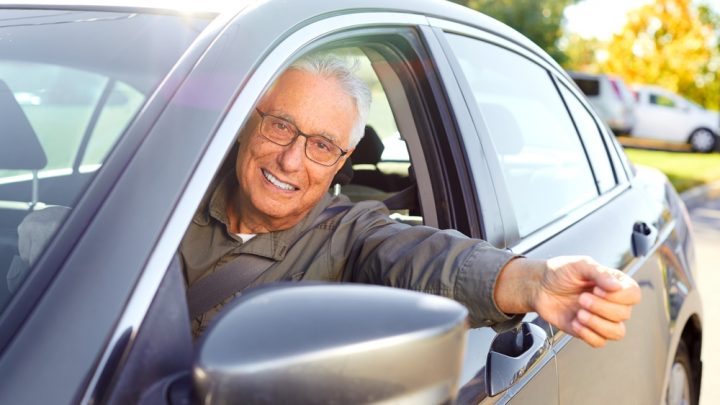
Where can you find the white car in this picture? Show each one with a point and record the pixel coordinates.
(666, 116)
(611, 98)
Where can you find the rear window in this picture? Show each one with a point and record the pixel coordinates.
(71, 82)
(591, 87)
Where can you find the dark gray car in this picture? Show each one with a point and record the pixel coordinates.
(116, 118)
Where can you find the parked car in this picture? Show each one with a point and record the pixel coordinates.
(666, 116)
(611, 98)
(97, 191)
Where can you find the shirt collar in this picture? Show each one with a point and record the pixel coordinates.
(272, 245)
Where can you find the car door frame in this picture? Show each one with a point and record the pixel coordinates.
(261, 73)
(542, 243)
(492, 195)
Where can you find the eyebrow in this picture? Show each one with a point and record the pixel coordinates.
(279, 114)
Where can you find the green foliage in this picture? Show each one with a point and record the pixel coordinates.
(539, 20)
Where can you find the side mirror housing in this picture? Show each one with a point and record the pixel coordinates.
(332, 343)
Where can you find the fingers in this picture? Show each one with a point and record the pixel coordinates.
(593, 338)
(612, 311)
(630, 295)
(600, 320)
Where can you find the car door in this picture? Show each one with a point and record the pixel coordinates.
(537, 379)
(660, 116)
(567, 193)
(209, 112)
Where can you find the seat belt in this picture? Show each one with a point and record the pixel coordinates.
(237, 274)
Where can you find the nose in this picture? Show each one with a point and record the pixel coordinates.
(291, 159)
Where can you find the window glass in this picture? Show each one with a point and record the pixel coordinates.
(542, 160)
(659, 99)
(592, 137)
(122, 104)
(591, 87)
(70, 83)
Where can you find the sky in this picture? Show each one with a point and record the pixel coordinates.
(602, 18)
(599, 18)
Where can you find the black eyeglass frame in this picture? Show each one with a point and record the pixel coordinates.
(298, 133)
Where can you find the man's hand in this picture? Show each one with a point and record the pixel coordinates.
(574, 293)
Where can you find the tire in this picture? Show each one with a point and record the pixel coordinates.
(703, 140)
(681, 389)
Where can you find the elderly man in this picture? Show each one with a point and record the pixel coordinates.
(275, 206)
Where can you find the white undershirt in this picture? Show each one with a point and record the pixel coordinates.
(246, 236)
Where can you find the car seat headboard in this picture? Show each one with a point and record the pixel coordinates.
(20, 148)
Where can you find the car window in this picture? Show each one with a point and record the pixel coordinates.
(381, 161)
(591, 87)
(661, 100)
(542, 160)
(66, 107)
(592, 138)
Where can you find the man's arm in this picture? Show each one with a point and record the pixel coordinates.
(574, 293)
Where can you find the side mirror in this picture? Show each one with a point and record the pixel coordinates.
(332, 344)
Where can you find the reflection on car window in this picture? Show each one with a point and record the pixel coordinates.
(543, 162)
(64, 109)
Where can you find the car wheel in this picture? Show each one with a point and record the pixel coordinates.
(681, 387)
(703, 140)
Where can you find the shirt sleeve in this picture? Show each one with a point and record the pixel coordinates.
(420, 258)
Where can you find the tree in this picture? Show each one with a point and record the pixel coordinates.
(669, 43)
(539, 20)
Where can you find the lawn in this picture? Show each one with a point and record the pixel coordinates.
(685, 170)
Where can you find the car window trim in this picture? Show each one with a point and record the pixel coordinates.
(621, 174)
(478, 189)
(583, 136)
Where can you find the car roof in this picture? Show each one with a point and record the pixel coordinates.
(187, 6)
(430, 8)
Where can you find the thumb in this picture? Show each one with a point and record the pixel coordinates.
(609, 280)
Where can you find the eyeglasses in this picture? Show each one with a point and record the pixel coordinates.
(282, 132)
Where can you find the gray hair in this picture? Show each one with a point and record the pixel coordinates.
(332, 66)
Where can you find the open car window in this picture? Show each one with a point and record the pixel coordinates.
(71, 83)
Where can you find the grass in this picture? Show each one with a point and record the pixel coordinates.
(685, 170)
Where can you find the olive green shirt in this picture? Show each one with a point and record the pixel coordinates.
(362, 245)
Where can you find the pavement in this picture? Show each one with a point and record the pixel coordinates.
(704, 206)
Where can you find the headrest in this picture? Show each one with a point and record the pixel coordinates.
(370, 148)
(20, 148)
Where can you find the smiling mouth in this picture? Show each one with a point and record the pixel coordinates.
(277, 183)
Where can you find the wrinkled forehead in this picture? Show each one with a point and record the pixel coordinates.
(315, 103)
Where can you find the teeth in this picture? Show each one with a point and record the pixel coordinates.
(279, 184)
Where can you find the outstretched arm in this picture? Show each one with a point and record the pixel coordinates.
(574, 293)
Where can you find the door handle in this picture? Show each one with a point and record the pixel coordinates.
(512, 354)
(643, 238)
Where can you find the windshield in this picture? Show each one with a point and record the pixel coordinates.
(71, 82)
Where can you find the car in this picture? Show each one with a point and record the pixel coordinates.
(118, 116)
(611, 98)
(667, 116)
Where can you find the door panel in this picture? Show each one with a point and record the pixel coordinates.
(539, 382)
(630, 370)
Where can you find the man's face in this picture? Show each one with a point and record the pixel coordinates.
(279, 185)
